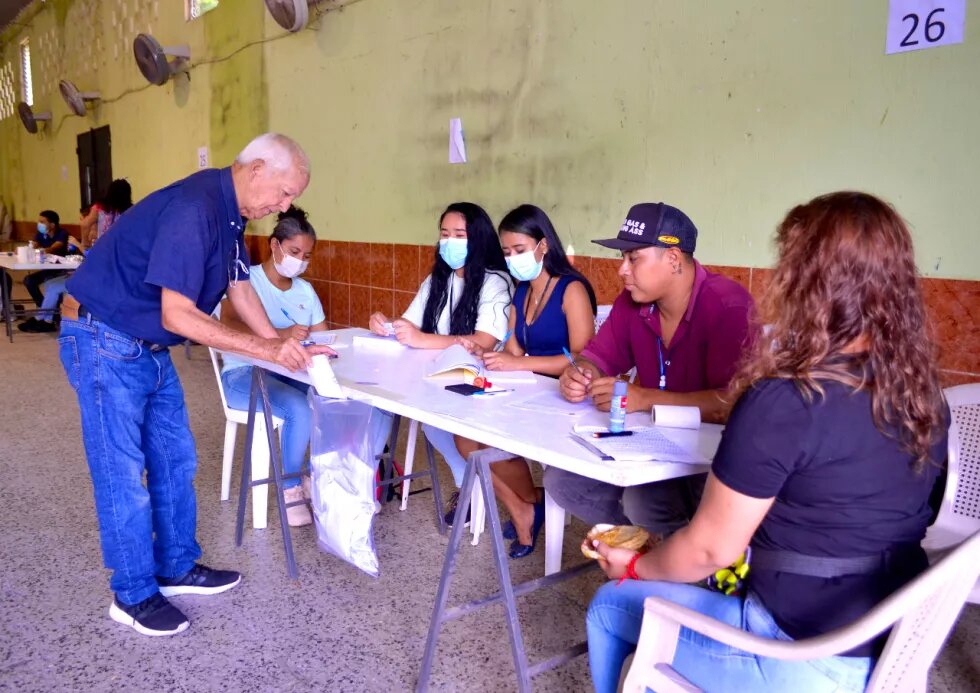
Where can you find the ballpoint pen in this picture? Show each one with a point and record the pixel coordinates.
(490, 393)
(571, 360)
(503, 342)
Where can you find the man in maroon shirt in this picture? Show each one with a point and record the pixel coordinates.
(684, 330)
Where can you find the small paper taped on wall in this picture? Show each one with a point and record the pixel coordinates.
(457, 145)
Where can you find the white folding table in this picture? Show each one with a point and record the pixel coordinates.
(8, 263)
(391, 378)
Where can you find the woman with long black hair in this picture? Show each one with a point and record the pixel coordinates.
(468, 292)
(467, 295)
(554, 310)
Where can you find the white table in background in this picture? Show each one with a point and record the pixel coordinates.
(8, 263)
(391, 378)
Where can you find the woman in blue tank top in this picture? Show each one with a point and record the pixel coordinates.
(554, 308)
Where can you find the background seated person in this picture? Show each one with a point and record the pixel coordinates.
(52, 239)
(831, 452)
(467, 294)
(684, 329)
(294, 310)
(102, 215)
(54, 289)
(554, 308)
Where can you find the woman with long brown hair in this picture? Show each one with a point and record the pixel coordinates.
(824, 471)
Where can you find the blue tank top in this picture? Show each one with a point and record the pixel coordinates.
(549, 332)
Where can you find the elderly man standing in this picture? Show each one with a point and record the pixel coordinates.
(147, 286)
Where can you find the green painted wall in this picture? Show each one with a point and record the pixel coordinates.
(733, 111)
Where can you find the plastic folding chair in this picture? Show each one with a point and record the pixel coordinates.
(959, 514)
(920, 616)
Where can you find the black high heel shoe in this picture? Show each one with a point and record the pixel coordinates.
(519, 550)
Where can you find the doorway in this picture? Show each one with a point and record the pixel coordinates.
(94, 164)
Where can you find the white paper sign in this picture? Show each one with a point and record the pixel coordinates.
(457, 146)
(202, 157)
(917, 24)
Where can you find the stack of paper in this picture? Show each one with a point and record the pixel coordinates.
(644, 444)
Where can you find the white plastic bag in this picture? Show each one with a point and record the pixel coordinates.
(343, 466)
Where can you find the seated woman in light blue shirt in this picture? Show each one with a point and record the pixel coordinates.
(295, 311)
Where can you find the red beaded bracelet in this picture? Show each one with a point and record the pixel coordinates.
(631, 569)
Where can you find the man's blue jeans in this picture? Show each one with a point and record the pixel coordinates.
(134, 421)
(613, 626)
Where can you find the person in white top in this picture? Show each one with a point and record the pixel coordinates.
(467, 295)
(294, 310)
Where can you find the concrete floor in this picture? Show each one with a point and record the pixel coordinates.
(334, 629)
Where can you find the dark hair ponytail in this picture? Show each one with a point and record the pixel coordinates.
(292, 223)
(533, 222)
(483, 254)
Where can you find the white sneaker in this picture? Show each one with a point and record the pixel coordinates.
(298, 515)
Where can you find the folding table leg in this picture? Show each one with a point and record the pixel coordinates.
(8, 306)
(519, 654)
(247, 461)
(387, 468)
(258, 388)
(436, 491)
(275, 461)
(442, 594)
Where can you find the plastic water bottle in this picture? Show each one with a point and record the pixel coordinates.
(40, 255)
(617, 408)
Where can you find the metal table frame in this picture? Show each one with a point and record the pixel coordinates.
(388, 476)
(479, 466)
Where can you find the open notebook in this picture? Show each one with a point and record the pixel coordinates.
(646, 443)
(456, 360)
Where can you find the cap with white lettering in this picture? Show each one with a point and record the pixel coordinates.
(654, 224)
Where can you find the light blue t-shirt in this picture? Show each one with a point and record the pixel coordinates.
(299, 301)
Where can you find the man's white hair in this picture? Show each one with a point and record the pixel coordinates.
(280, 153)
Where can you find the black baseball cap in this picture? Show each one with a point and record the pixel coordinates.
(654, 224)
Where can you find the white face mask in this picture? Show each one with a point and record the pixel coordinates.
(290, 266)
(524, 267)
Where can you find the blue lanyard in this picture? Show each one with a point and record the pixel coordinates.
(663, 371)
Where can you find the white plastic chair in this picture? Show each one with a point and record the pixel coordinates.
(920, 616)
(601, 313)
(959, 514)
(413, 434)
(260, 451)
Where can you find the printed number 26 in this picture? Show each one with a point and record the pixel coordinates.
(934, 29)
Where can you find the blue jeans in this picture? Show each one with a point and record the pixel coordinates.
(134, 421)
(53, 289)
(445, 443)
(613, 626)
(288, 400)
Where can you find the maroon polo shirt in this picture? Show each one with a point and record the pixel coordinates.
(706, 348)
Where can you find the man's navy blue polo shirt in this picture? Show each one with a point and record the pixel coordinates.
(45, 241)
(187, 237)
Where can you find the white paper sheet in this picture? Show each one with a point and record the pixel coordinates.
(646, 443)
(324, 380)
(373, 341)
(457, 145)
(551, 401)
